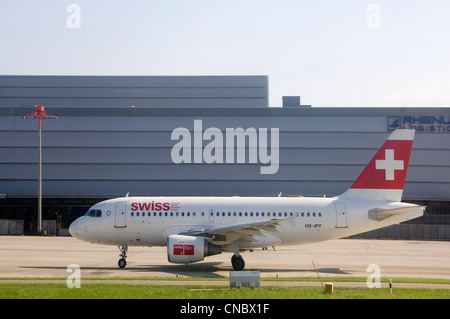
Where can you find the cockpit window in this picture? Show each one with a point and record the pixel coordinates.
(94, 213)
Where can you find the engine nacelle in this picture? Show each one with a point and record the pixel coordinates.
(183, 249)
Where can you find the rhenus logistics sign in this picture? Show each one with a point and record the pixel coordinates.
(227, 147)
(420, 123)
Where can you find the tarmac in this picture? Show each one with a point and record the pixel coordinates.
(29, 258)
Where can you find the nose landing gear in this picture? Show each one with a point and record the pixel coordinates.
(123, 253)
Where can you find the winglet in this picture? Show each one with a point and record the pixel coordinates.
(384, 176)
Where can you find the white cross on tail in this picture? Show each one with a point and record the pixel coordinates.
(389, 164)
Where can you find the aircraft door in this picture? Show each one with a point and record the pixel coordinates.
(341, 215)
(211, 215)
(121, 215)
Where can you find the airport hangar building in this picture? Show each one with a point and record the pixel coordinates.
(200, 135)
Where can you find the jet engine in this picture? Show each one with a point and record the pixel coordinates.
(182, 249)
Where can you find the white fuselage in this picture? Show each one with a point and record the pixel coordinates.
(148, 221)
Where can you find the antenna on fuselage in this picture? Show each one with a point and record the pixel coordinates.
(127, 194)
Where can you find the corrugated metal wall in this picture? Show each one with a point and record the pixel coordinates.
(148, 91)
(107, 152)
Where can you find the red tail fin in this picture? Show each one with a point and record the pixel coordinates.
(384, 176)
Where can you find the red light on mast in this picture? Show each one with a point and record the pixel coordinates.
(39, 112)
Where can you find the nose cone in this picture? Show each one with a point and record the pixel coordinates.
(73, 228)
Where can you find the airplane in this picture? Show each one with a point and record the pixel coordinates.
(193, 228)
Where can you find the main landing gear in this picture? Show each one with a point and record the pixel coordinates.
(123, 253)
(237, 262)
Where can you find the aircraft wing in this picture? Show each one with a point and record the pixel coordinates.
(380, 214)
(225, 235)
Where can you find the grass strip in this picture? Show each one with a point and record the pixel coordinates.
(278, 279)
(125, 291)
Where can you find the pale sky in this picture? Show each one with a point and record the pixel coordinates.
(332, 53)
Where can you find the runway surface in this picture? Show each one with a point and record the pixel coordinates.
(24, 256)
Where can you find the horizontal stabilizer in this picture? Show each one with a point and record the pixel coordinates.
(380, 213)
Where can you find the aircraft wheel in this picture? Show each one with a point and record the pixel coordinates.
(238, 263)
(122, 263)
